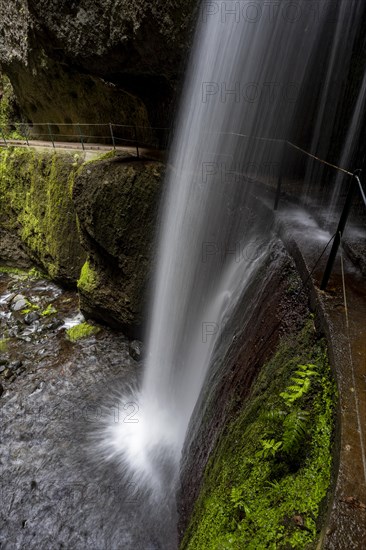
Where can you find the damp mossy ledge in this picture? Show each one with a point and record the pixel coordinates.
(88, 279)
(36, 205)
(83, 330)
(267, 481)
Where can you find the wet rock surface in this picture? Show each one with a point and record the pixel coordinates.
(237, 363)
(37, 216)
(116, 201)
(55, 493)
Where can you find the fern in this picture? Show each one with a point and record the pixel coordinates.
(295, 427)
(300, 384)
(274, 415)
(270, 448)
(237, 498)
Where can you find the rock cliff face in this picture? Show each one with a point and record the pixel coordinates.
(37, 217)
(90, 225)
(116, 203)
(94, 61)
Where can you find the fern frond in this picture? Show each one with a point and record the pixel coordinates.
(274, 415)
(295, 427)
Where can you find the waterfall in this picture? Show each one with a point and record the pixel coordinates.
(351, 141)
(245, 73)
(345, 17)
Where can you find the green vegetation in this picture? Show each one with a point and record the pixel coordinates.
(7, 105)
(267, 481)
(35, 202)
(88, 278)
(50, 310)
(34, 273)
(83, 330)
(30, 307)
(3, 345)
(21, 273)
(13, 271)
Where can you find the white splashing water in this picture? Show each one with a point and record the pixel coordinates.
(242, 78)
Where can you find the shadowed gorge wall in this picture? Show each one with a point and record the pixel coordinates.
(95, 61)
(117, 202)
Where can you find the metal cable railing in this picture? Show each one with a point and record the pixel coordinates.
(337, 237)
(87, 134)
(138, 136)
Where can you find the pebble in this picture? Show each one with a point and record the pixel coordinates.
(31, 317)
(19, 305)
(18, 297)
(7, 373)
(135, 350)
(15, 365)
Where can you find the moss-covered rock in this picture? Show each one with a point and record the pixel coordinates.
(9, 110)
(36, 210)
(92, 224)
(83, 330)
(269, 475)
(116, 203)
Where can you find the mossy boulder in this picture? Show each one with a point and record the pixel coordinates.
(37, 216)
(116, 202)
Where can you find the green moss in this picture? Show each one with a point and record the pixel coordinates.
(253, 498)
(34, 273)
(88, 278)
(81, 331)
(105, 156)
(50, 310)
(3, 345)
(35, 202)
(30, 307)
(13, 271)
(7, 105)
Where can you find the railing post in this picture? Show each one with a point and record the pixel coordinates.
(112, 135)
(4, 138)
(340, 229)
(280, 175)
(137, 143)
(51, 136)
(81, 137)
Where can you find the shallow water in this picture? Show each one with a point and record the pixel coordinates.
(53, 493)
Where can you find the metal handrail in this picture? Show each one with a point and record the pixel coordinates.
(150, 135)
(134, 140)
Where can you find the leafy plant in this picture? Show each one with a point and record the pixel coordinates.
(301, 384)
(236, 498)
(270, 448)
(295, 426)
(274, 416)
